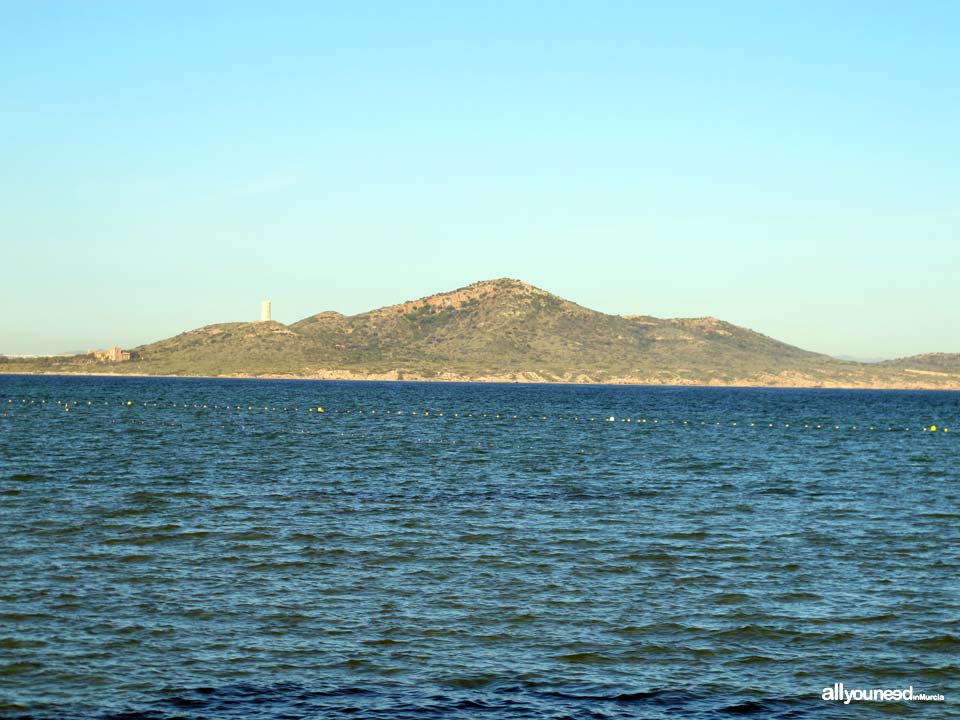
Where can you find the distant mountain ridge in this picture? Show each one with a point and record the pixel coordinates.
(506, 330)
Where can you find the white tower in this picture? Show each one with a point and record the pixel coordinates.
(264, 311)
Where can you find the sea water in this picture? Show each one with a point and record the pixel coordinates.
(191, 548)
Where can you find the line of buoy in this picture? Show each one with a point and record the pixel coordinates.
(317, 410)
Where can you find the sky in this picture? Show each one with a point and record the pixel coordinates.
(791, 167)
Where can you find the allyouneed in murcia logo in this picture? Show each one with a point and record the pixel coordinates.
(838, 693)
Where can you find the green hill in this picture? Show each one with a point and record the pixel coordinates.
(930, 364)
(505, 330)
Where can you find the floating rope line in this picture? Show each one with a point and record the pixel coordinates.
(38, 404)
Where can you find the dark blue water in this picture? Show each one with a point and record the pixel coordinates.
(178, 548)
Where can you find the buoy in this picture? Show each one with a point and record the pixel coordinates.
(933, 428)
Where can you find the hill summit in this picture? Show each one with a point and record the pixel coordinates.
(507, 330)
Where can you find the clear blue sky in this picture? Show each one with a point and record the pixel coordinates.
(793, 167)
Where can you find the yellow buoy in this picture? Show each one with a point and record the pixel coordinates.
(933, 428)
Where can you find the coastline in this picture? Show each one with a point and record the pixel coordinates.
(526, 378)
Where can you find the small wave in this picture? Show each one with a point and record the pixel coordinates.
(585, 657)
(945, 642)
(13, 643)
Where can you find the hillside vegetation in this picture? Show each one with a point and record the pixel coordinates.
(505, 330)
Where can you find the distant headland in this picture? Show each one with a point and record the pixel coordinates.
(498, 331)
